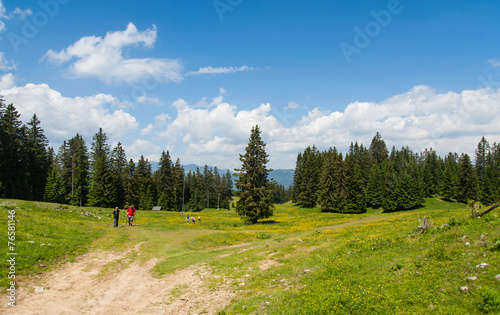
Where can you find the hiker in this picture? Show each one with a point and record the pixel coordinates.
(187, 218)
(130, 215)
(116, 216)
(199, 219)
(192, 219)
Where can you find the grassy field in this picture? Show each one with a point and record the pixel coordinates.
(300, 261)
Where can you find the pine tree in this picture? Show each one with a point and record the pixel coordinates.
(37, 159)
(253, 183)
(143, 184)
(378, 149)
(119, 173)
(311, 168)
(355, 198)
(449, 185)
(327, 181)
(13, 154)
(467, 188)
(102, 192)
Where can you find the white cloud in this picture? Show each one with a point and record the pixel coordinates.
(103, 58)
(16, 13)
(20, 13)
(494, 62)
(6, 65)
(62, 117)
(7, 81)
(145, 148)
(419, 118)
(2, 16)
(149, 100)
(146, 131)
(219, 70)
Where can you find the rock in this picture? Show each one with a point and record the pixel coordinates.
(467, 243)
(471, 278)
(498, 277)
(466, 289)
(482, 265)
(38, 289)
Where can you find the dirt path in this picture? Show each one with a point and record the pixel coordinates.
(116, 283)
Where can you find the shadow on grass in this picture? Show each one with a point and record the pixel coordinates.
(402, 210)
(268, 222)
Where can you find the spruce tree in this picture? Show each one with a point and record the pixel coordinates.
(327, 181)
(103, 189)
(37, 159)
(253, 183)
(449, 184)
(119, 173)
(378, 149)
(467, 180)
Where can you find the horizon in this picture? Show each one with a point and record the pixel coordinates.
(194, 79)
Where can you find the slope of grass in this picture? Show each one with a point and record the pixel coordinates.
(300, 261)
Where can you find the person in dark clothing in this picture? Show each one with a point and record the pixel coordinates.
(116, 216)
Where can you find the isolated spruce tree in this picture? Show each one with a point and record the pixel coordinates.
(103, 190)
(253, 183)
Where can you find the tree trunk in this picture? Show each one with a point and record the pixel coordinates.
(489, 209)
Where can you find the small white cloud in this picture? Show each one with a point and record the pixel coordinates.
(103, 58)
(494, 62)
(146, 131)
(292, 105)
(6, 65)
(219, 70)
(20, 13)
(162, 119)
(149, 100)
(14, 14)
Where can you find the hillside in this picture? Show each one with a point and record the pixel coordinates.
(299, 261)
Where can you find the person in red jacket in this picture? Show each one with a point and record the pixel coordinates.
(131, 214)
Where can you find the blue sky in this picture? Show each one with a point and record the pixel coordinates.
(193, 77)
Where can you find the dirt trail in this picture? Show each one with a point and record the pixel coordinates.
(113, 283)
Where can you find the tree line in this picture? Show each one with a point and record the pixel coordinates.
(396, 180)
(101, 176)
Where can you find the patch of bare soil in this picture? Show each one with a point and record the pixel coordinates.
(114, 283)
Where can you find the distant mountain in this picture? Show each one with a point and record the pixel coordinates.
(283, 177)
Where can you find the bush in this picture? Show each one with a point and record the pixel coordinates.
(490, 300)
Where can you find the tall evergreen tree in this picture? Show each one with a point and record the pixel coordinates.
(37, 159)
(102, 192)
(253, 183)
(12, 154)
(467, 188)
(378, 149)
(119, 173)
(311, 168)
(450, 178)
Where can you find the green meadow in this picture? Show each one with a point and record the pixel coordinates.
(299, 261)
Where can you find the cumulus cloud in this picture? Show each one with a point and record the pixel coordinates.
(103, 58)
(62, 117)
(219, 70)
(146, 148)
(420, 118)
